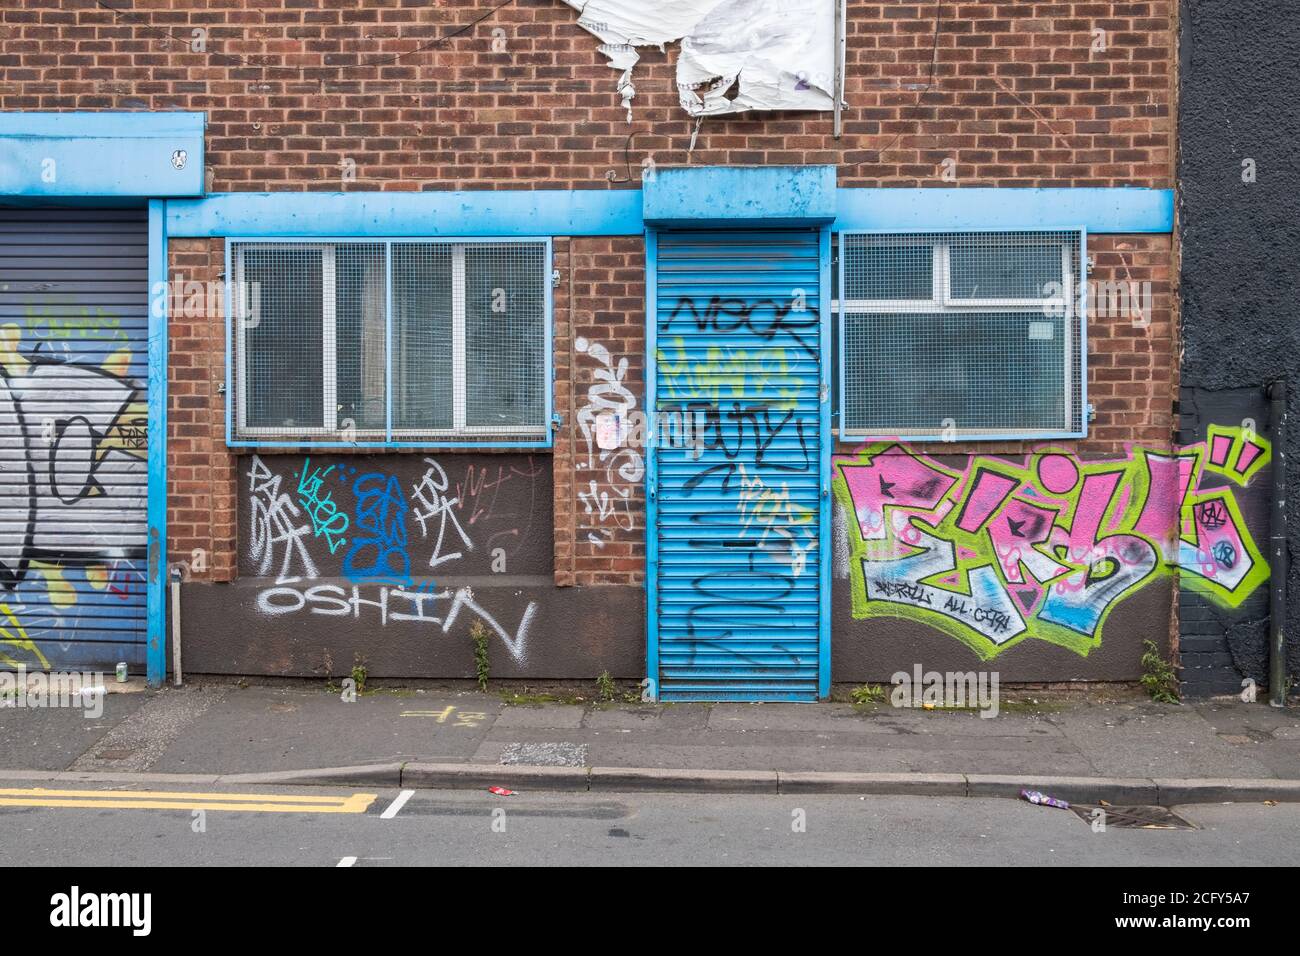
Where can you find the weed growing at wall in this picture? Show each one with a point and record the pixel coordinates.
(606, 689)
(867, 694)
(359, 674)
(1158, 676)
(479, 635)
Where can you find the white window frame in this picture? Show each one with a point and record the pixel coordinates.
(329, 433)
(1067, 307)
(459, 362)
(329, 337)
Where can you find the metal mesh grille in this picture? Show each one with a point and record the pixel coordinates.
(505, 347)
(315, 342)
(422, 333)
(279, 328)
(359, 349)
(962, 335)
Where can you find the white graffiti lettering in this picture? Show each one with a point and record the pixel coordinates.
(416, 606)
(605, 422)
(274, 522)
(430, 496)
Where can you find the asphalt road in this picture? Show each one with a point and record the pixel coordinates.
(337, 826)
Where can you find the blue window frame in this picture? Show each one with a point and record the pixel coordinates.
(972, 335)
(396, 342)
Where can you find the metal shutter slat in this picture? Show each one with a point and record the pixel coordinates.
(73, 469)
(736, 620)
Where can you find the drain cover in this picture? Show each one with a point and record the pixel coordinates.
(1132, 818)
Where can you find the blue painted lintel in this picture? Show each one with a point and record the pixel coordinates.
(1099, 210)
(515, 212)
(620, 212)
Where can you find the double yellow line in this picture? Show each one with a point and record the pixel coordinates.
(174, 800)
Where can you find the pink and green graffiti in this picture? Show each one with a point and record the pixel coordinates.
(999, 552)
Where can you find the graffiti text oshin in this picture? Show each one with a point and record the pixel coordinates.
(386, 605)
(999, 551)
(336, 540)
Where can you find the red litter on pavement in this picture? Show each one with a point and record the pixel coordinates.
(501, 791)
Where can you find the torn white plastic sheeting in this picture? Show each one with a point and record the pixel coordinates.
(735, 55)
(621, 27)
(759, 55)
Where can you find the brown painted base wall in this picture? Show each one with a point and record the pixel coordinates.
(576, 633)
(391, 560)
(1043, 565)
(875, 649)
(573, 633)
(1081, 555)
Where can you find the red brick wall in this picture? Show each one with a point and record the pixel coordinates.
(201, 471)
(608, 312)
(599, 532)
(1132, 365)
(566, 493)
(1012, 92)
(1132, 369)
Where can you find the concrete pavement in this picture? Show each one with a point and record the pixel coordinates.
(1113, 744)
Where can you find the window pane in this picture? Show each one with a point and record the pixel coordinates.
(887, 267)
(283, 340)
(936, 369)
(1011, 266)
(505, 335)
(923, 371)
(308, 364)
(359, 295)
(422, 336)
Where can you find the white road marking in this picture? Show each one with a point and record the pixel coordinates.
(346, 861)
(397, 805)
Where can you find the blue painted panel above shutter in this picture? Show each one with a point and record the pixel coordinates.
(108, 154)
(738, 364)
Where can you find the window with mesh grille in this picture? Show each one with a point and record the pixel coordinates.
(370, 342)
(961, 335)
